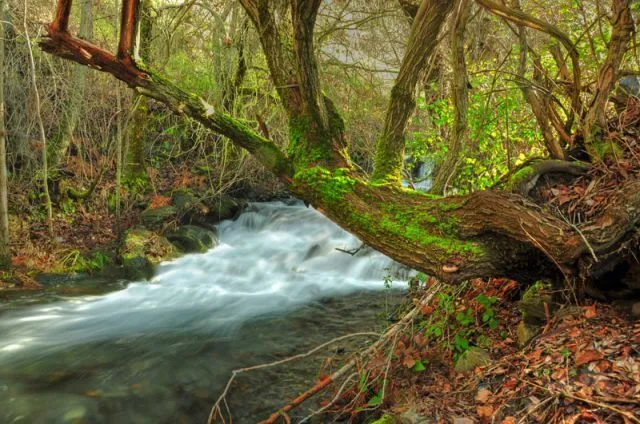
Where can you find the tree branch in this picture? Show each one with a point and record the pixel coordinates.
(520, 18)
(154, 86)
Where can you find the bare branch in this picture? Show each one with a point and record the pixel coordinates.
(520, 18)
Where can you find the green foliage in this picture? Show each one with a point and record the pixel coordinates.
(74, 261)
(461, 325)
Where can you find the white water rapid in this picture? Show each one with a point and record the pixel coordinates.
(272, 259)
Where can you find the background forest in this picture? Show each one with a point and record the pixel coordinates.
(111, 153)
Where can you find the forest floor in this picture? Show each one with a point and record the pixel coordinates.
(581, 366)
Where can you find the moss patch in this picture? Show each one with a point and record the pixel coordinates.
(330, 186)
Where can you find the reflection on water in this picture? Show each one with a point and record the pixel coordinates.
(161, 351)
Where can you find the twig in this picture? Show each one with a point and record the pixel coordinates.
(352, 252)
(333, 401)
(581, 399)
(216, 406)
(388, 336)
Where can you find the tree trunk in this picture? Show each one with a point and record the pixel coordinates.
(5, 251)
(460, 96)
(43, 137)
(71, 111)
(595, 120)
(136, 134)
(422, 41)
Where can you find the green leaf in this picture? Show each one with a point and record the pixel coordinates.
(419, 366)
(376, 400)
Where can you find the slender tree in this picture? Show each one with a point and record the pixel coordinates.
(5, 252)
(71, 111)
(43, 136)
(460, 96)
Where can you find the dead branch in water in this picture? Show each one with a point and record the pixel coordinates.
(390, 334)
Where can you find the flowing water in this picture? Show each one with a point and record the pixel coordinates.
(161, 351)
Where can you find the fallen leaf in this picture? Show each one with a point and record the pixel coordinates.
(509, 420)
(587, 356)
(590, 311)
(483, 395)
(408, 362)
(485, 411)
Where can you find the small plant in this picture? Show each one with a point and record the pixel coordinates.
(461, 324)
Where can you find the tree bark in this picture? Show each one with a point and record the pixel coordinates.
(460, 96)
(422, 41)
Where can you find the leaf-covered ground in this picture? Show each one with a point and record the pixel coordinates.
(582, 367)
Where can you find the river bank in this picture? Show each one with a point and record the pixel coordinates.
(89, 240)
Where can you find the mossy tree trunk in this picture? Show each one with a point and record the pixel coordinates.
(486, 233)
(422, 41)
(136, 133)
(595, 120)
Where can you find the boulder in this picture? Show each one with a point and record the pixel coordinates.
(223, 207)
(158, 218)
(191, 238)
(472, 358)
(140, 250)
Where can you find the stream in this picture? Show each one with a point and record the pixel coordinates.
(161, 351)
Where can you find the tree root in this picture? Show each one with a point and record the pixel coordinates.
(525, 178)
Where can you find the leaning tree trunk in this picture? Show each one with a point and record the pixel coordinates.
(422, 41)
(486, 233)
(595, 120)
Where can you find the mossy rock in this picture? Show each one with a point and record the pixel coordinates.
(184, 199)
(223, 207)
(525, 332)
(472, 358)
(189, 208)
(191, 238)
(157, 218)
(532, 304)
(140, 250)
